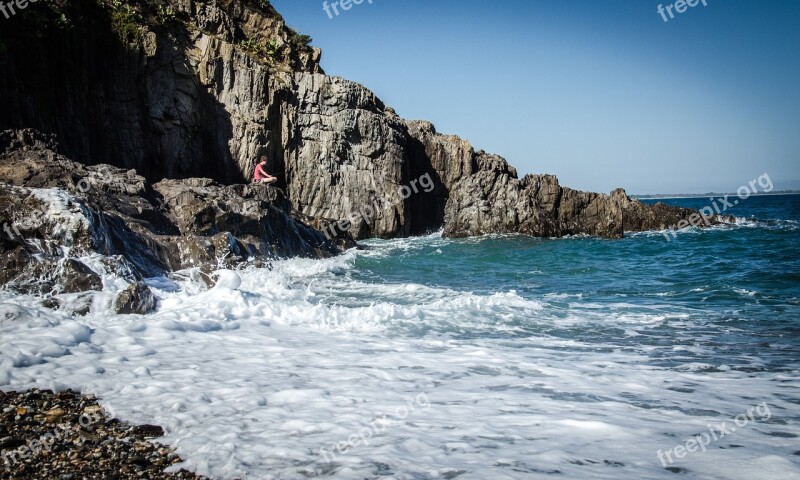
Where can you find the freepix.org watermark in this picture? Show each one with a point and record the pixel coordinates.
(376, 427)
(33, 448)
(13, 234)
(332, 8)
(368, 212)
(681, 6)
(720, 205)
(9, 9)
(715, 433)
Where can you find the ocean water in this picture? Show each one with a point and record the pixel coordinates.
(499, 357)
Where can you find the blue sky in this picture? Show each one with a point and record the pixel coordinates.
(602, 93)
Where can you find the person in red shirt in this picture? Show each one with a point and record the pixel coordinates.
(261, 175)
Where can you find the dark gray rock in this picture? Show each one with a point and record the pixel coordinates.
(136, 299)
(12, 263)
(641, 217)
(76, 277)
(198, 96)
(240, 221)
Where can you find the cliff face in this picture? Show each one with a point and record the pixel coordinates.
(199, 88)
(176, 95)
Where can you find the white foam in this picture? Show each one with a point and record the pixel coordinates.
(63, 212)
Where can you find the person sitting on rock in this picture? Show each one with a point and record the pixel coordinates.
(261, 175)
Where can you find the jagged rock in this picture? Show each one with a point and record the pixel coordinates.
(136, 299)
(194, 98)
(141, 230)
(640, 217)
(495, 202)
(343, 154)
(12, 263)
(27, 138)
(254, 219)
(37, 226)
(76, 277)
(446, 159)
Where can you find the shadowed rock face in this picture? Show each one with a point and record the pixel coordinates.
(181, 98)
(48, 202)
(208, 92)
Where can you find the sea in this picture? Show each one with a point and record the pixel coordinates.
(496, 357)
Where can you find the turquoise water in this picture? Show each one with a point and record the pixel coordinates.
(735, 289)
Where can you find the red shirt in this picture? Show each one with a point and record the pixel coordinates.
(260, 173)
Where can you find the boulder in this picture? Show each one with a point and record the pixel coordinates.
(137, 299)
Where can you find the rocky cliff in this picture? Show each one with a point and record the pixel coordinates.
(177, 89)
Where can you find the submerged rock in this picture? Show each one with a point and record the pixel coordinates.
(136, 299)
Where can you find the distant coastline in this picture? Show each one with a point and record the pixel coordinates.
(668, 196)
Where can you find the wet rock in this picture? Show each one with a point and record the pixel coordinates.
(82, 307)
(76, 277)
(236, 222)
(12, 263)
(141, 230)
(52, 303)
(137, 299)
(148, 431)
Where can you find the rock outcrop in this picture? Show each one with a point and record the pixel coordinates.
(179, 89)
(54, 212)
(478, 193)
